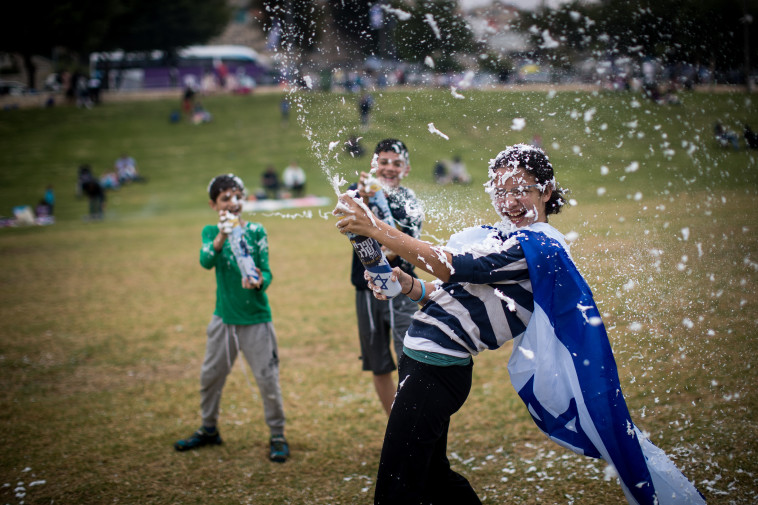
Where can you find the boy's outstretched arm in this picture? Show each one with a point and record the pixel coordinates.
(358, 219)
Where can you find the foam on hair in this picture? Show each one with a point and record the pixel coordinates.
(535, 162)
(223, 182)
(393, 145)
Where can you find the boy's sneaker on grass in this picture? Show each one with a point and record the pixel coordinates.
(198, 439)
(280, 450)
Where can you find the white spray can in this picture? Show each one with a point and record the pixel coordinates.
(370, 252)
(241, 252)
(375, 262)
(379, 200)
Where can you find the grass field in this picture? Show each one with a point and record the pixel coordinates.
(102, 323)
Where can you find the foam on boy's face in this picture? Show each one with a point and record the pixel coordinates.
(390, 168)
(517, 196)
(229, 200)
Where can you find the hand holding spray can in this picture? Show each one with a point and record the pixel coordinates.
(241, 250)
(371, 255)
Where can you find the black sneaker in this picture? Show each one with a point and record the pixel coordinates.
(280, 450)
(198, 439)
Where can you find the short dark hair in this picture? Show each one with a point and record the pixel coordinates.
(222, 183)
(395, 146)
(535, 162)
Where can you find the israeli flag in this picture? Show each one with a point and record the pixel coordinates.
(563, 369)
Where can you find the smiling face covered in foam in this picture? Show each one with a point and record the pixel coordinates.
(517, 193)
(227, 192)
(390, 163)
(230, 201)
(390, 168)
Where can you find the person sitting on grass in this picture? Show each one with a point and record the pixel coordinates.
(293, 179)
(125, 168)
(725, 136)
(513, 280)
(270, 182)
(241, 321)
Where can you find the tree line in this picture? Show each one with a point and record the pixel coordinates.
(76, 28)
(719, 34)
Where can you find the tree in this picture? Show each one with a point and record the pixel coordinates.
(434, 29)
(146, 25)
(711, 32)
(36, 28)
(352, 19)
(291, 23)
(83, 26)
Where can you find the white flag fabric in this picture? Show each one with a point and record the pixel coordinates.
(563, 369)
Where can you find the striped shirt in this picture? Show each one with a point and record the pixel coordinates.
(486, 302)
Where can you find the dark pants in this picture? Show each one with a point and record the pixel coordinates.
(414, 468)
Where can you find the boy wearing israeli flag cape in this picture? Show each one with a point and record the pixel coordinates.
(515, 280)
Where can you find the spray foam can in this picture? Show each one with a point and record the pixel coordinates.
(241, 252)
(370, 251)
(375, 262)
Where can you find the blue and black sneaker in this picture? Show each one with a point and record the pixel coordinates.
(201, 437)
(280, 450)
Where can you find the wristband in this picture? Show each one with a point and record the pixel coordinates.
(413, 281)
(423, 292)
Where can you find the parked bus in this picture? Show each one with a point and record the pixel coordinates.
(150, 70)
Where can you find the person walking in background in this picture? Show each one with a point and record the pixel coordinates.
(93, 88)
(365, 104)
(91, 188)
(284, 108)
(82, 93)
(188, 96)
(383, 321)
(241, 321)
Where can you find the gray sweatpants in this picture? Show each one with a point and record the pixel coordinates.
(258, 344)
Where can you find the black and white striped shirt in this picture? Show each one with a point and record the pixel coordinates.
(486, 302)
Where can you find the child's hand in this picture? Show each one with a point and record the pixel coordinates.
(367, 185)
(226, 222)
(248, 284)
(376, 290)
(396, 275)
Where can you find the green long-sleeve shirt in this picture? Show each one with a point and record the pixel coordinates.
(235, 304)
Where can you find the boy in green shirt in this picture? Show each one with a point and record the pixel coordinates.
(240, 322)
